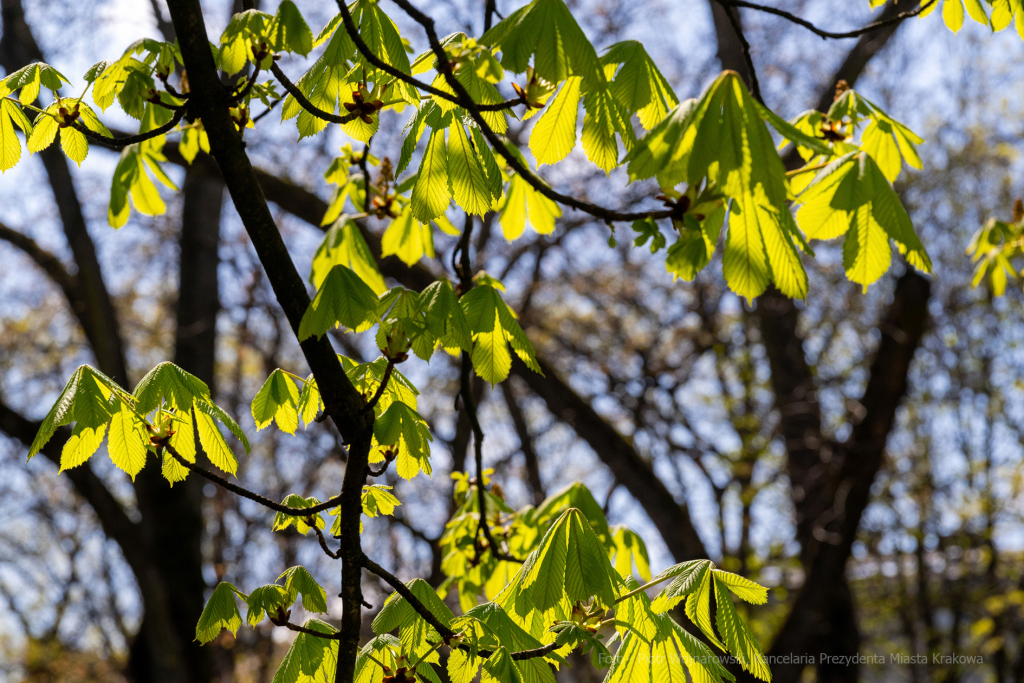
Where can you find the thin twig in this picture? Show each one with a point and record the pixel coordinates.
(306, 104)
(469, 404)
(734, 19)
(121, 143)
(368, 189)
(334, 555)
(308, 631)
(246, 493)
(240, 95)
(868, 28)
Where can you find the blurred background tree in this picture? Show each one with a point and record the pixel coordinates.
(866, 446)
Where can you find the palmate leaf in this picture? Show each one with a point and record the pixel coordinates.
(722, 138)
(378, 500)
(343, 299)
(323, 85)
(522, 205)
(402, 427)
(547, 31)
(554, 134)
(415, 633)
(221, 612)
(638, 85)
(686, 579)
(630, 550)
(605, 117)
(85, 400)
(384, 650)
(569, 565)
(446, 320)
(310, 402)
(344, 244)
(298, 581)
(294, 500)
(11, 116)
(466, 174)
(431, 193)
(514, 638)
(852, 196)
(277, 400)
(380, 34)
(169, 387)
(31, 77)
(493, 326)
(235, 42)
(132, 179)
(408, 239)
(288, 31)
(737, 636)
(127, 441)
(310, 659)
(267, 601)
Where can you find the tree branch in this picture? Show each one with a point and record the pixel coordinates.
(856, 33)
(121, 143)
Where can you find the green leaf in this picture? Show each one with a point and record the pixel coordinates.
(380, 34)
(604, 118)
(524, 204)
(310, 403)
(466, 173)
(267, 601)
(630, 550)
(431, 194)
(216, 448)
(953, 14)
(737, 636)
(852, 196)
(288, 31)
(378, 499)
(445, 318)
(686, 579)
(283, 521)
(402, 427)
(243, 29)
(343, 299)
(310, 658)
(298, 581)
(639, 86)
(499, 668)
(128, 441)
(221, 612)
(277, 400)
(554, 134)
(84, 400)
(81, 446)
(743, 588)
(408, 239)
(493, 326)
(11, 115)
(131, 179)
(415, 633)
(546, 30)
(31, 77)
(344, 244)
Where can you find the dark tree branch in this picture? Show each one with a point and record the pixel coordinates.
(856, 33)
(121, 143)
(246, 493)
(304, 101)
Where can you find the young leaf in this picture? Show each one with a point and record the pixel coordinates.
(83, 443)
(629, 550)
(277, 400)
(408, 238)
(431, 194)
(852, 196)
(737, 636)
(128, 441)
(343, 299)
(344, 244)
(11, 115)
(310, 403)
(267, 600)
(742, 588)
(85, 400)
(298, 581)
(310, 658)
(288, 30)
(283, 521)
(493, 325)
(378, 499)
(554, 134)
(466, 173)
(524, 204)
(221, 612)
